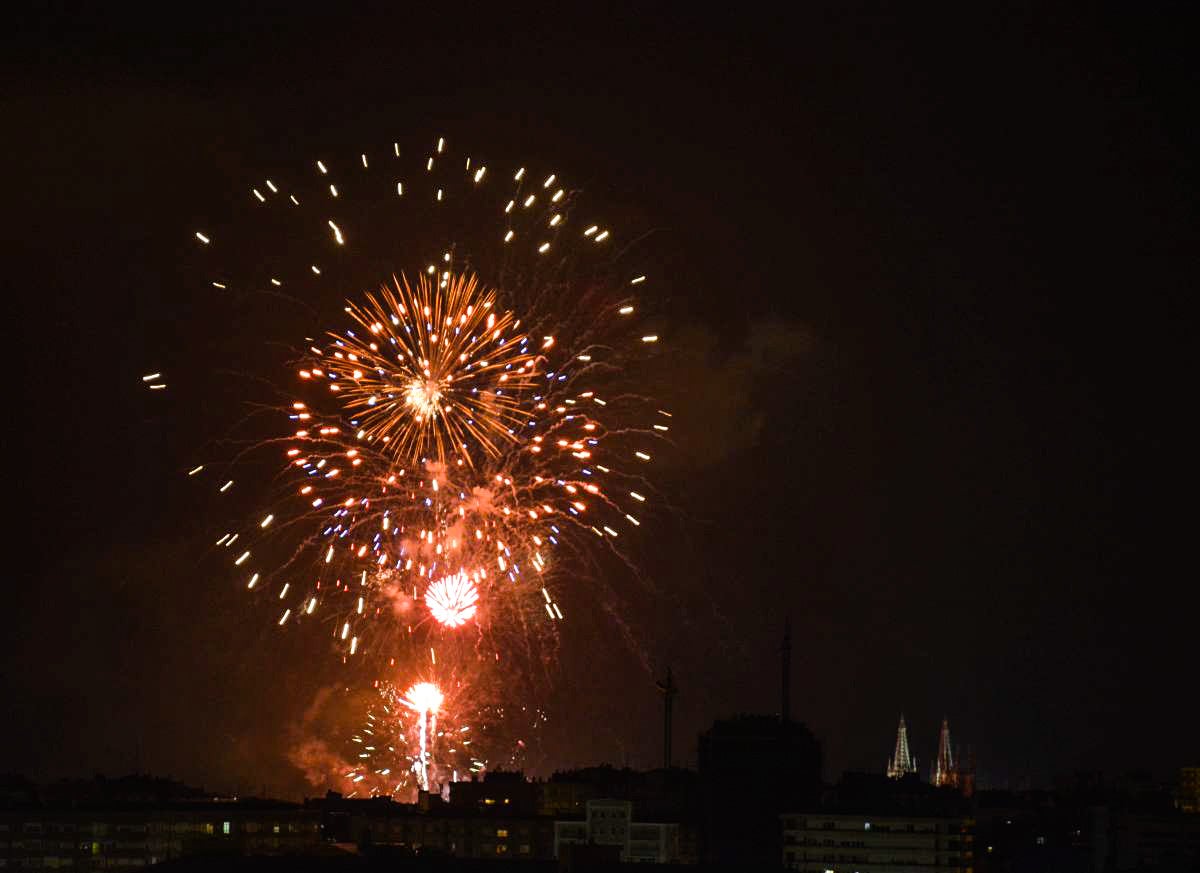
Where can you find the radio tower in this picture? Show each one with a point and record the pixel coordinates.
(902, 762)
(944, 771)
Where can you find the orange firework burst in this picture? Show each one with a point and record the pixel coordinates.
(468, 444)
(438, 373)
(452, 601)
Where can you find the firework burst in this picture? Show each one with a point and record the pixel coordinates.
(452, 600)
(435, 372)
(431, 733)
(464, 436)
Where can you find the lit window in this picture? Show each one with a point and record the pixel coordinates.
(501, 848)
(275, 828)
(225, 828)
(501, 832)
(866, 825)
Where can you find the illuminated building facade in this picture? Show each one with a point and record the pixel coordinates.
(871, 823)
(945, 773)
(610, 823)
(819, 842)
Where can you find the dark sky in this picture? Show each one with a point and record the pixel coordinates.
(929, 283)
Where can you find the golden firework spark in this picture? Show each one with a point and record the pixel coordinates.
(437, 372)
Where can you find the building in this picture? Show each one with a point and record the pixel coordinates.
(432, 827)
(655, 843)
(561, 798)
(819, 842)
(666, 797)
(752, 769)
(871, 823)
(1033, 830)
(661, 794)
(950, 770)
(1088, 824)
(945, 772)
(100, 837)
(1167, 841)
(1187, 792)
(498, 790)
(610, 823)
(137, 822)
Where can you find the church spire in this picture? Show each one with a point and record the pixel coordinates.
(902, 761)
(944, 771)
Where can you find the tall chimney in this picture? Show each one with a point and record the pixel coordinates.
(669, 690)
(785, 658)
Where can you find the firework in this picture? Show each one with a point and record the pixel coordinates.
(452, 600)
(443, 727)
(463, 436)
(437, 370)
(424, 699)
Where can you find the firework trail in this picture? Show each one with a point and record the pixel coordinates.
(428, 735)
(467, 434)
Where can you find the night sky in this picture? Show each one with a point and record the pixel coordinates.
(926, 290)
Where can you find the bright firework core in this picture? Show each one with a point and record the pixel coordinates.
(425, 397)
(424, 697)
(452, 601)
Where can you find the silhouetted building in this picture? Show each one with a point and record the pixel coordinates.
(434, 828)
(752, 769)
(1167, 842)
(16, 791)
(509, 793)
(1089, 824)
(89, 835)
(505, 816)
(664, 795)
(1187, 791)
